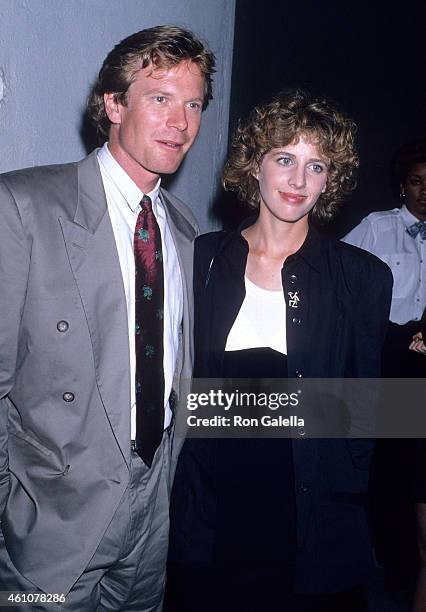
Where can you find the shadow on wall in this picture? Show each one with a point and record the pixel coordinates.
(228, 210)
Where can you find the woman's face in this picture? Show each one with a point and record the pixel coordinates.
(291, 179)
(414, 189)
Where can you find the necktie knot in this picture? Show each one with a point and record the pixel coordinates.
(417, 228)
(146, 203)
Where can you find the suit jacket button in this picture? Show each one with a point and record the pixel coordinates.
(296, 320)
(62, 326)
(298, 374)
(304, 488)
(293, 279)
(68, 396)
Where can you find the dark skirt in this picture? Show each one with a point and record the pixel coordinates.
(233, 519)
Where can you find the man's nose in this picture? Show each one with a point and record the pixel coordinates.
(177, 118)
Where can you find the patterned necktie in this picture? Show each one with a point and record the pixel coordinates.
(149, 308)
(417, 228)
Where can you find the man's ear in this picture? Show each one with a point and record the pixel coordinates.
(112, 107)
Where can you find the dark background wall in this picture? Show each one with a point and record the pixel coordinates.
(370, 58)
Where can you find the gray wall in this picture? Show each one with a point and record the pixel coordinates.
(50, 53)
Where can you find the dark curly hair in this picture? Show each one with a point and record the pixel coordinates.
(159, 47)
(290, 115)
(405, 159)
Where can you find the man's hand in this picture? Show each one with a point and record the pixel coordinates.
(418, 344)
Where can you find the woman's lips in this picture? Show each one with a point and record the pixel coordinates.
(294, 198)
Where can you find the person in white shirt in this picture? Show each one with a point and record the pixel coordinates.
(398, 237)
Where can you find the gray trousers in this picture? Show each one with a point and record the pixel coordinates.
(127, 571)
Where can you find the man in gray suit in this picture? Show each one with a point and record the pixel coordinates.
(85, 463)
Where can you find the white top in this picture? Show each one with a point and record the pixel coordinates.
(123, 197)
(385, 234)
(260, 321)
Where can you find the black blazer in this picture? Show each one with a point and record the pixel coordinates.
(336, 331)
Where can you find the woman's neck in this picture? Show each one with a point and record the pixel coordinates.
(275, 238)
(270, 243)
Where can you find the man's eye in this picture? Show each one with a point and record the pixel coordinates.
(195, 105)
(160, 99)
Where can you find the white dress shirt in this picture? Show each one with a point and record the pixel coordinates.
(260, 321)
(123, 199)
(385, 234)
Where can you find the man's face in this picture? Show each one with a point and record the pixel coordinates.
(415, 191)
(152, 133)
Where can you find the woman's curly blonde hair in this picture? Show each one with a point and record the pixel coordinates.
(282, 122)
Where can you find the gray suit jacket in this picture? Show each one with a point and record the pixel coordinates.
(64, 366)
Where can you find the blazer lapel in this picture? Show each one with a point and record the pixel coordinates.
(95, 264)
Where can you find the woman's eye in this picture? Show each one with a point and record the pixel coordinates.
(317, 168)
(285, 161)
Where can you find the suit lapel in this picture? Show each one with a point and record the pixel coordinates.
(95, 264)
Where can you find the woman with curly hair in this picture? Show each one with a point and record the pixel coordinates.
(280, 524)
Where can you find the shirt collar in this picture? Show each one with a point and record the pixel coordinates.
(311, 248)
(407, 217)
(130, 192)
